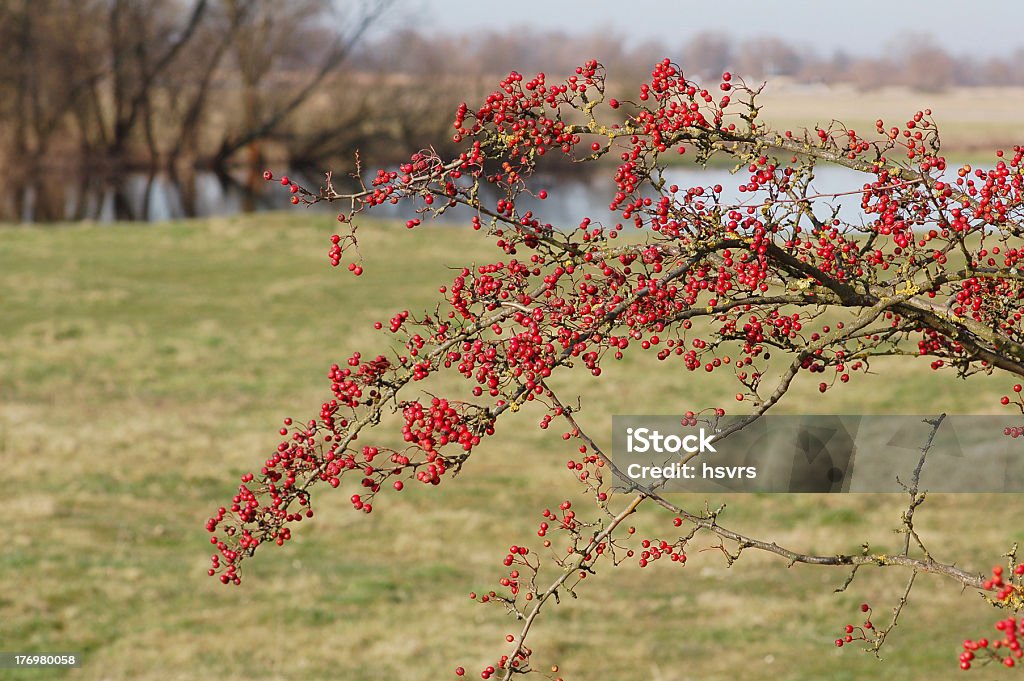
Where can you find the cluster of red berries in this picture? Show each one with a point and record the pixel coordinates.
(1017, 400)
(566, 520)
(1006, 650)
(436, 425)
(866, 631)
(517, 111)
(519, 662)
(1009, 594)
(292, 187)
(656, 549)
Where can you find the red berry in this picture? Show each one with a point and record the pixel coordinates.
(267, 175)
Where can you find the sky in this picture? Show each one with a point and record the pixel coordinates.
(982, 28)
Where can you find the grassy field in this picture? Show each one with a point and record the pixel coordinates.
(144, 367)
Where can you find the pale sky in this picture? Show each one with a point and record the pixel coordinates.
(983, 28)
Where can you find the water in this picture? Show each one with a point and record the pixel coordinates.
(155, 197)
(571, 199)
(135, 196)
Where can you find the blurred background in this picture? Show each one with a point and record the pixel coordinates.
(148, 110)
(158, 321)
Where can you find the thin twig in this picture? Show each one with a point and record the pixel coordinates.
(917, 499)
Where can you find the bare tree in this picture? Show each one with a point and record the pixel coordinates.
(260, 43)
(194, 79)
(134, 28)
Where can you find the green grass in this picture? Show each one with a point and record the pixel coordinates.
(143, 368)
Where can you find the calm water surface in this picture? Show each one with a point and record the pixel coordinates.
(160, 196)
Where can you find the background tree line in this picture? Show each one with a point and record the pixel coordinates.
(148, 84)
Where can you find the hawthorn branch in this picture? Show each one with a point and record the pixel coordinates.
(877, 272)
(883, 634)
(580, 562)
(917, 499)
(793, 557)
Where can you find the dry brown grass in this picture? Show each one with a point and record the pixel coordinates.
(972, 121)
